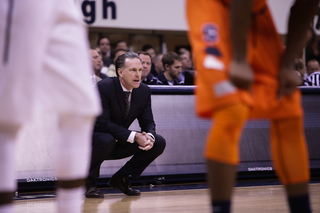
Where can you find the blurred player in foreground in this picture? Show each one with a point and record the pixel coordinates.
(44, 63)
(244, 72)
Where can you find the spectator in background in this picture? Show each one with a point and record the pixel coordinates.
(104, 69)
(300, 67)
(146, 76)
(187, 74)
(158, 66)
(112, 69)
(184, 50)
(104, 45)
(97, 65)
(312, 66)
(150, 49)
(121, 44)
(313, 70)
(312, 49)
(313, 79)
(172, 68)
(186, 61)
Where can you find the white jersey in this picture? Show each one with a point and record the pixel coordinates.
(313, 79)
(44, 60)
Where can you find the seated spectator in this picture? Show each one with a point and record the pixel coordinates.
(312, 66)
(172, 68)
(158, 66)
(313, 79)
(112, 69)
(183, 50)
(97, 65)
(104, 69)
(187, 74)
(300, 67)
(312, 49)
(121, 44)
(313, 70)
(104, 46)
(150, 49)
(146, 76)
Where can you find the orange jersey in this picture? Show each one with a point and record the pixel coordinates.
(209, 35)
(257, 4)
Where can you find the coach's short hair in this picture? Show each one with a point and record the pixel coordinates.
(121, 60)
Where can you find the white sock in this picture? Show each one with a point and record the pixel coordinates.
(70, 200)
(73, 147)
(7, 162)
(8, 208)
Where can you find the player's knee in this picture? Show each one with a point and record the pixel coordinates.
(229, 122)
(223, 141)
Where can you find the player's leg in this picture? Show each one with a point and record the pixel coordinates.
(17, 71)
(217, 98)
(67, 90)
(290, 157)
(222, 153)
(8, 135)
(72, 156)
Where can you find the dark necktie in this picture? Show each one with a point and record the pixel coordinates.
(126, 99)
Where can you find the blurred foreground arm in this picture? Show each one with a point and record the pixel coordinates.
(241, 74)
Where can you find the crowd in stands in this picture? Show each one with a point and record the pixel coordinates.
(172, 68)
(176, 68)
(308, 68)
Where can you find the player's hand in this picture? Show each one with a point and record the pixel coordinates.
(241, 74)
(288, 81)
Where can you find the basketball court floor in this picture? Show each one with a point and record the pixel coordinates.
(185, 198)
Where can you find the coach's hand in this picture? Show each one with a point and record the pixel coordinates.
(144, 140)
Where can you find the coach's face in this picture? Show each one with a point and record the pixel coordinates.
(130, 74)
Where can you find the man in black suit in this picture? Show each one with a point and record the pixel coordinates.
(111, 137)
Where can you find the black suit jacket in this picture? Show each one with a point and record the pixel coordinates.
(161, 77)
(113, 119)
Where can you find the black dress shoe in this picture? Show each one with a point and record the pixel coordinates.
(92, 190)
(124, 185)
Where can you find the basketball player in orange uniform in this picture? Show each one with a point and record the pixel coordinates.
(244, 72)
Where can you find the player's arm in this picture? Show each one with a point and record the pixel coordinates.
(241, 74)
(301, 15)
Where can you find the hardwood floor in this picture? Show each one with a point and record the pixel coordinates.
(254, 199)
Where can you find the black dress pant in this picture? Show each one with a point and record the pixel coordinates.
(105, 147)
